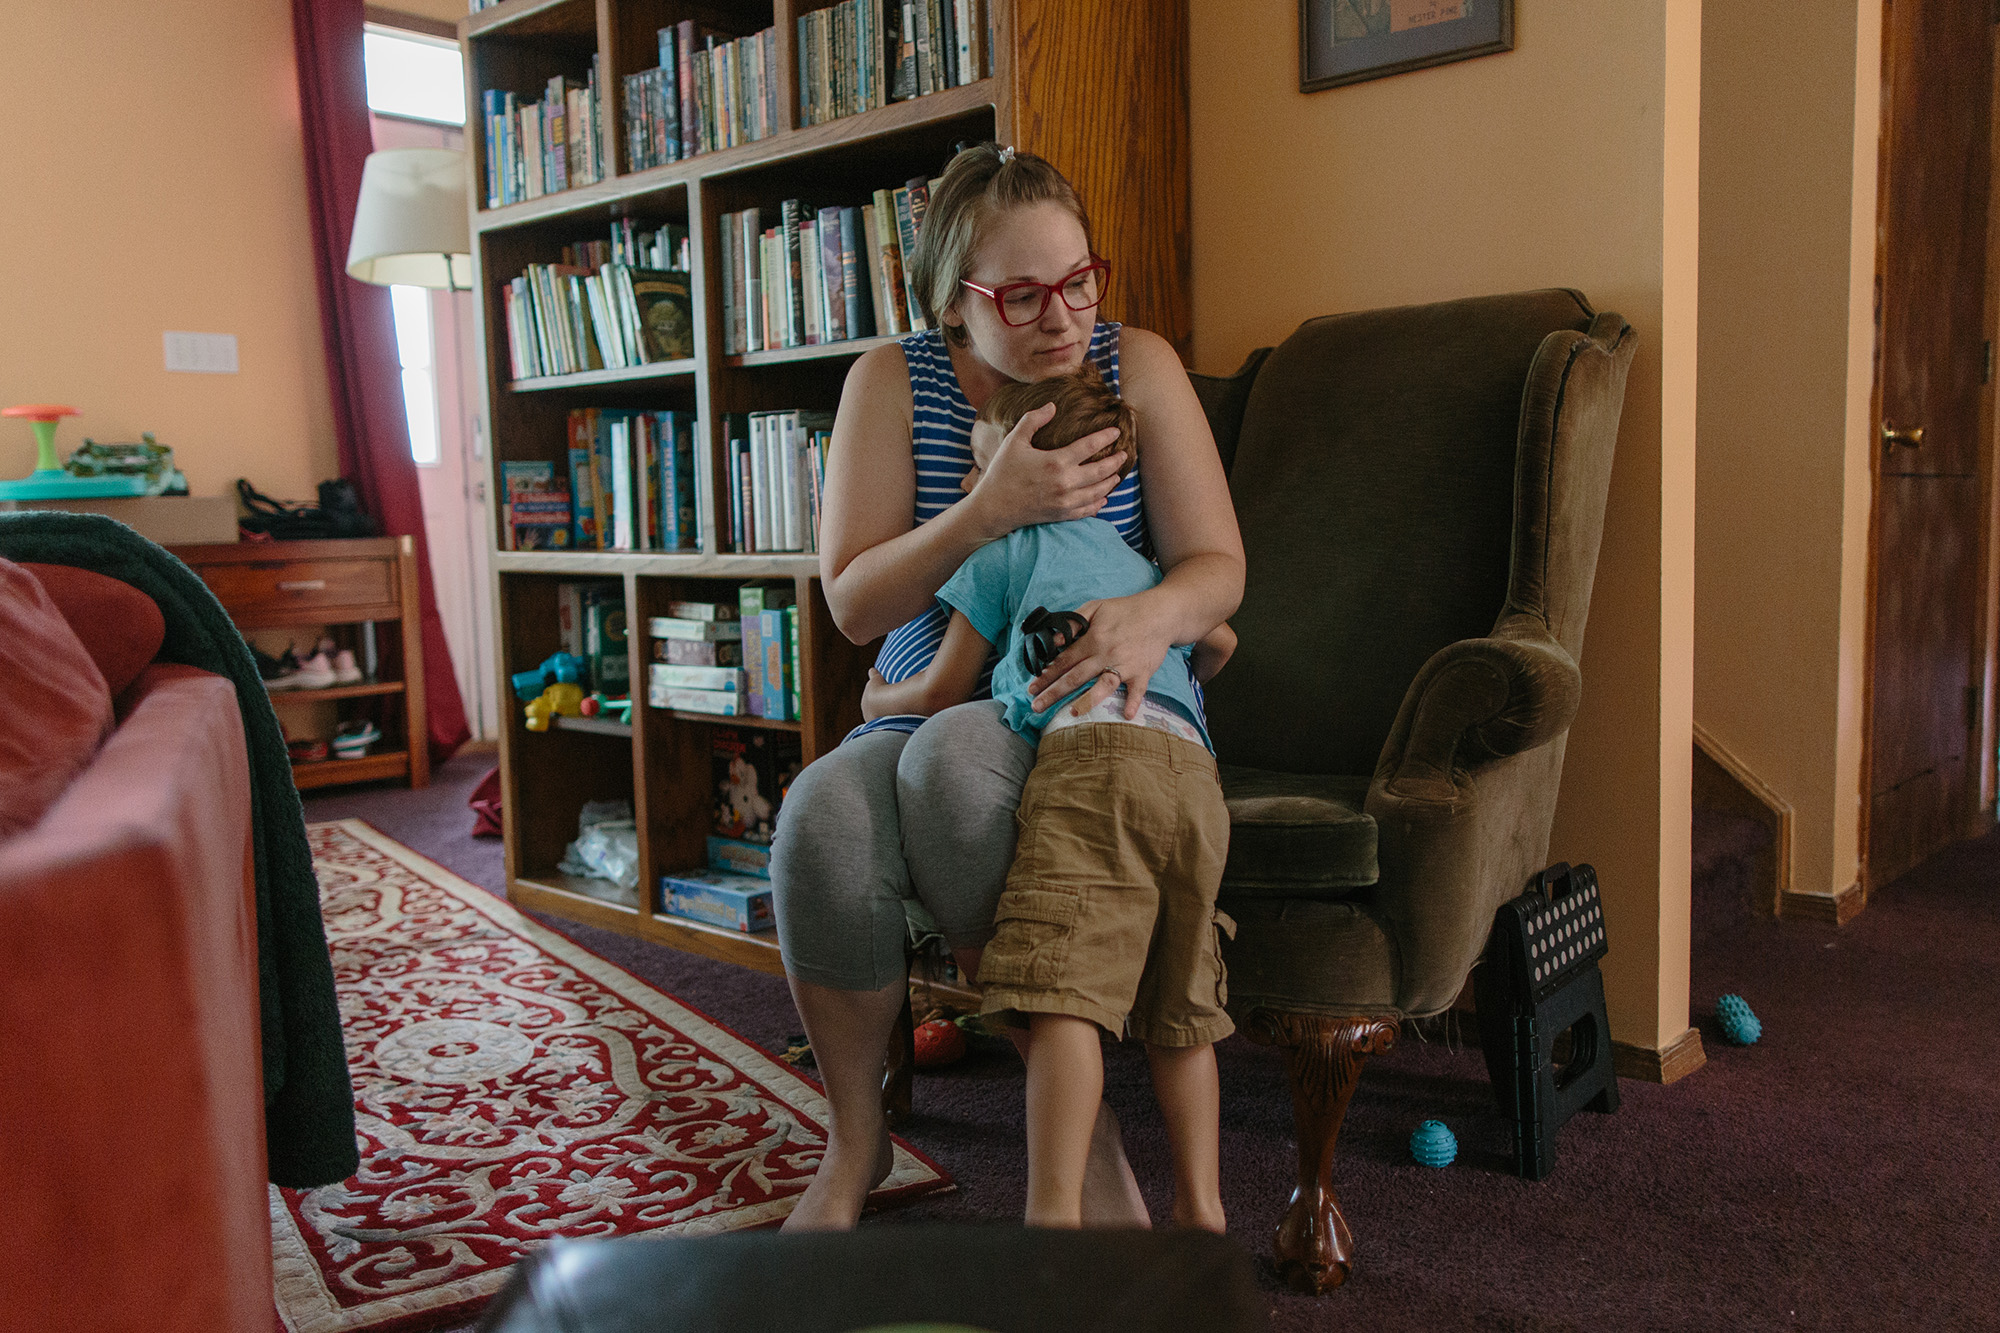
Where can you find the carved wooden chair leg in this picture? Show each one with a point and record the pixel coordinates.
(899, 1069)
(1312, 1246)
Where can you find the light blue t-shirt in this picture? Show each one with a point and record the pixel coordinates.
(1059, 566)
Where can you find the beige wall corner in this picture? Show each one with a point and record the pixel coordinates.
(159, 184)
(1546, 166)
(1858, 476)
(1789, 115)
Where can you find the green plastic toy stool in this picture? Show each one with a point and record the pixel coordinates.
(49, 481)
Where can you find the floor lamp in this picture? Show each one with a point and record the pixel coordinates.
(412, 228)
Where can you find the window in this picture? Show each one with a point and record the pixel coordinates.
(413, 349)
(414, 76)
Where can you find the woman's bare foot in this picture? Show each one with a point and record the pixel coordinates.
(1111, 1195)
(840, 1188)
(1206, 1214)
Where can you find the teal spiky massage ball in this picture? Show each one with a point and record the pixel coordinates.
(1739, 1025)
(1433, 1144)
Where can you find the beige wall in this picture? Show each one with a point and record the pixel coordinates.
(1788, 163)
(1570, 161)
(156, 181)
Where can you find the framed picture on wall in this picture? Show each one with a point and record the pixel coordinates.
(1347, 41)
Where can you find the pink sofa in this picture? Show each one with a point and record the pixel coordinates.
(132, 1177)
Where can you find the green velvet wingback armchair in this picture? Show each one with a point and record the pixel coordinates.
(1421, 493)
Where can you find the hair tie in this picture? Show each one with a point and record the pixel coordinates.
(1006, 155)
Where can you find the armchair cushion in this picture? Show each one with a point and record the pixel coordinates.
(1296, 834)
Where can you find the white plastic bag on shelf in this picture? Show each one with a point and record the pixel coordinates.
(606, 846)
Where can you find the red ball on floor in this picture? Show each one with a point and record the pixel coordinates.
(939, 1043)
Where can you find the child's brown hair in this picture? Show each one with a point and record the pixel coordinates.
(1084, 404)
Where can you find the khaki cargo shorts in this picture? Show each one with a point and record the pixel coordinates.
(1109, 911)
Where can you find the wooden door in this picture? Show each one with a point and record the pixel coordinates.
(1931, 372)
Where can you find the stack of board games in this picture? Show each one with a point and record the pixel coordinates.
(752, 771)
(697, 664)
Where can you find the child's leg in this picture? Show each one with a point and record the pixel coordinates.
(1111, 1196)
(1065, 1085)
(1190, 1094)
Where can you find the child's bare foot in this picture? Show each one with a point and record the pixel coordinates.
(840, 1188)
(1111, 1196)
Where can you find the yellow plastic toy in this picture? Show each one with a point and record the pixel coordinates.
(566, 700)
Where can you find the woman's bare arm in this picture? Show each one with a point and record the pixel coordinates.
(1193, 526)
(879, 567)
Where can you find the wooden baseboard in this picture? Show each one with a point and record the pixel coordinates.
(1682, 1057)
(1724, 782)
(1833, 909)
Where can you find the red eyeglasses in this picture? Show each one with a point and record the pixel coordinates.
(1023, 303)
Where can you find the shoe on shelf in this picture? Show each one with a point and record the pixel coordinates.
(352, 739)
(282, 673)
(345, 670)
(306, 751)
(315, 673)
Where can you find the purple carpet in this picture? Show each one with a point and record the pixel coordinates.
(1838, 1174)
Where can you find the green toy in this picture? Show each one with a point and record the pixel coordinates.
(49, 480)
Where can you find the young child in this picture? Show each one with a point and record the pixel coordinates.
(1108, 920)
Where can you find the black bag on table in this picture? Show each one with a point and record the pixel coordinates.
(338, 514)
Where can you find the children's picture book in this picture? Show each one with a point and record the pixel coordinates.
(666, 313)
(535, 511)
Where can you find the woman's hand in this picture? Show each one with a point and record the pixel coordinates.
(1127, 641)
(871, 697)
(1023, 485)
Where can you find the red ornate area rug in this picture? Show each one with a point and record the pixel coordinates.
(512, 1088)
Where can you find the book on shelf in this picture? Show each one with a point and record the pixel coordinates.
(535, 509)
(776, 466)
(590, 624)
(711, 90)
(632, 480)
(768, 679)
(858, 55)
(596, 310)
(821, 275)
(543, 147)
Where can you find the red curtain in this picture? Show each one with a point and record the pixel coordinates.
(362, 369)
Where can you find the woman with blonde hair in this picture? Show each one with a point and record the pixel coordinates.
(1009, 283)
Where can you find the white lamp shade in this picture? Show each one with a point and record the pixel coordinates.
(410, 217)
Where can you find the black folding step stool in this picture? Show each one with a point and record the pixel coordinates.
(1540, 979)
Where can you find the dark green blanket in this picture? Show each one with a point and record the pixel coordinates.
(308, 1101)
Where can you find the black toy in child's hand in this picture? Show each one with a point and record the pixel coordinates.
(1045, 634)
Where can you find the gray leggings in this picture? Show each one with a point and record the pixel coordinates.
(888, 815)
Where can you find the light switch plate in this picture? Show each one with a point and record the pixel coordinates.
(201, 353)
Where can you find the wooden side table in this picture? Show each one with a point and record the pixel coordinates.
(362, 580)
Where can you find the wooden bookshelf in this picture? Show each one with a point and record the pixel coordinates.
(1096, 86)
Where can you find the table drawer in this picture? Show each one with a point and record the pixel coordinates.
(264, 586)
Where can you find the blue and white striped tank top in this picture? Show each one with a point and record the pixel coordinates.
(942, 435)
